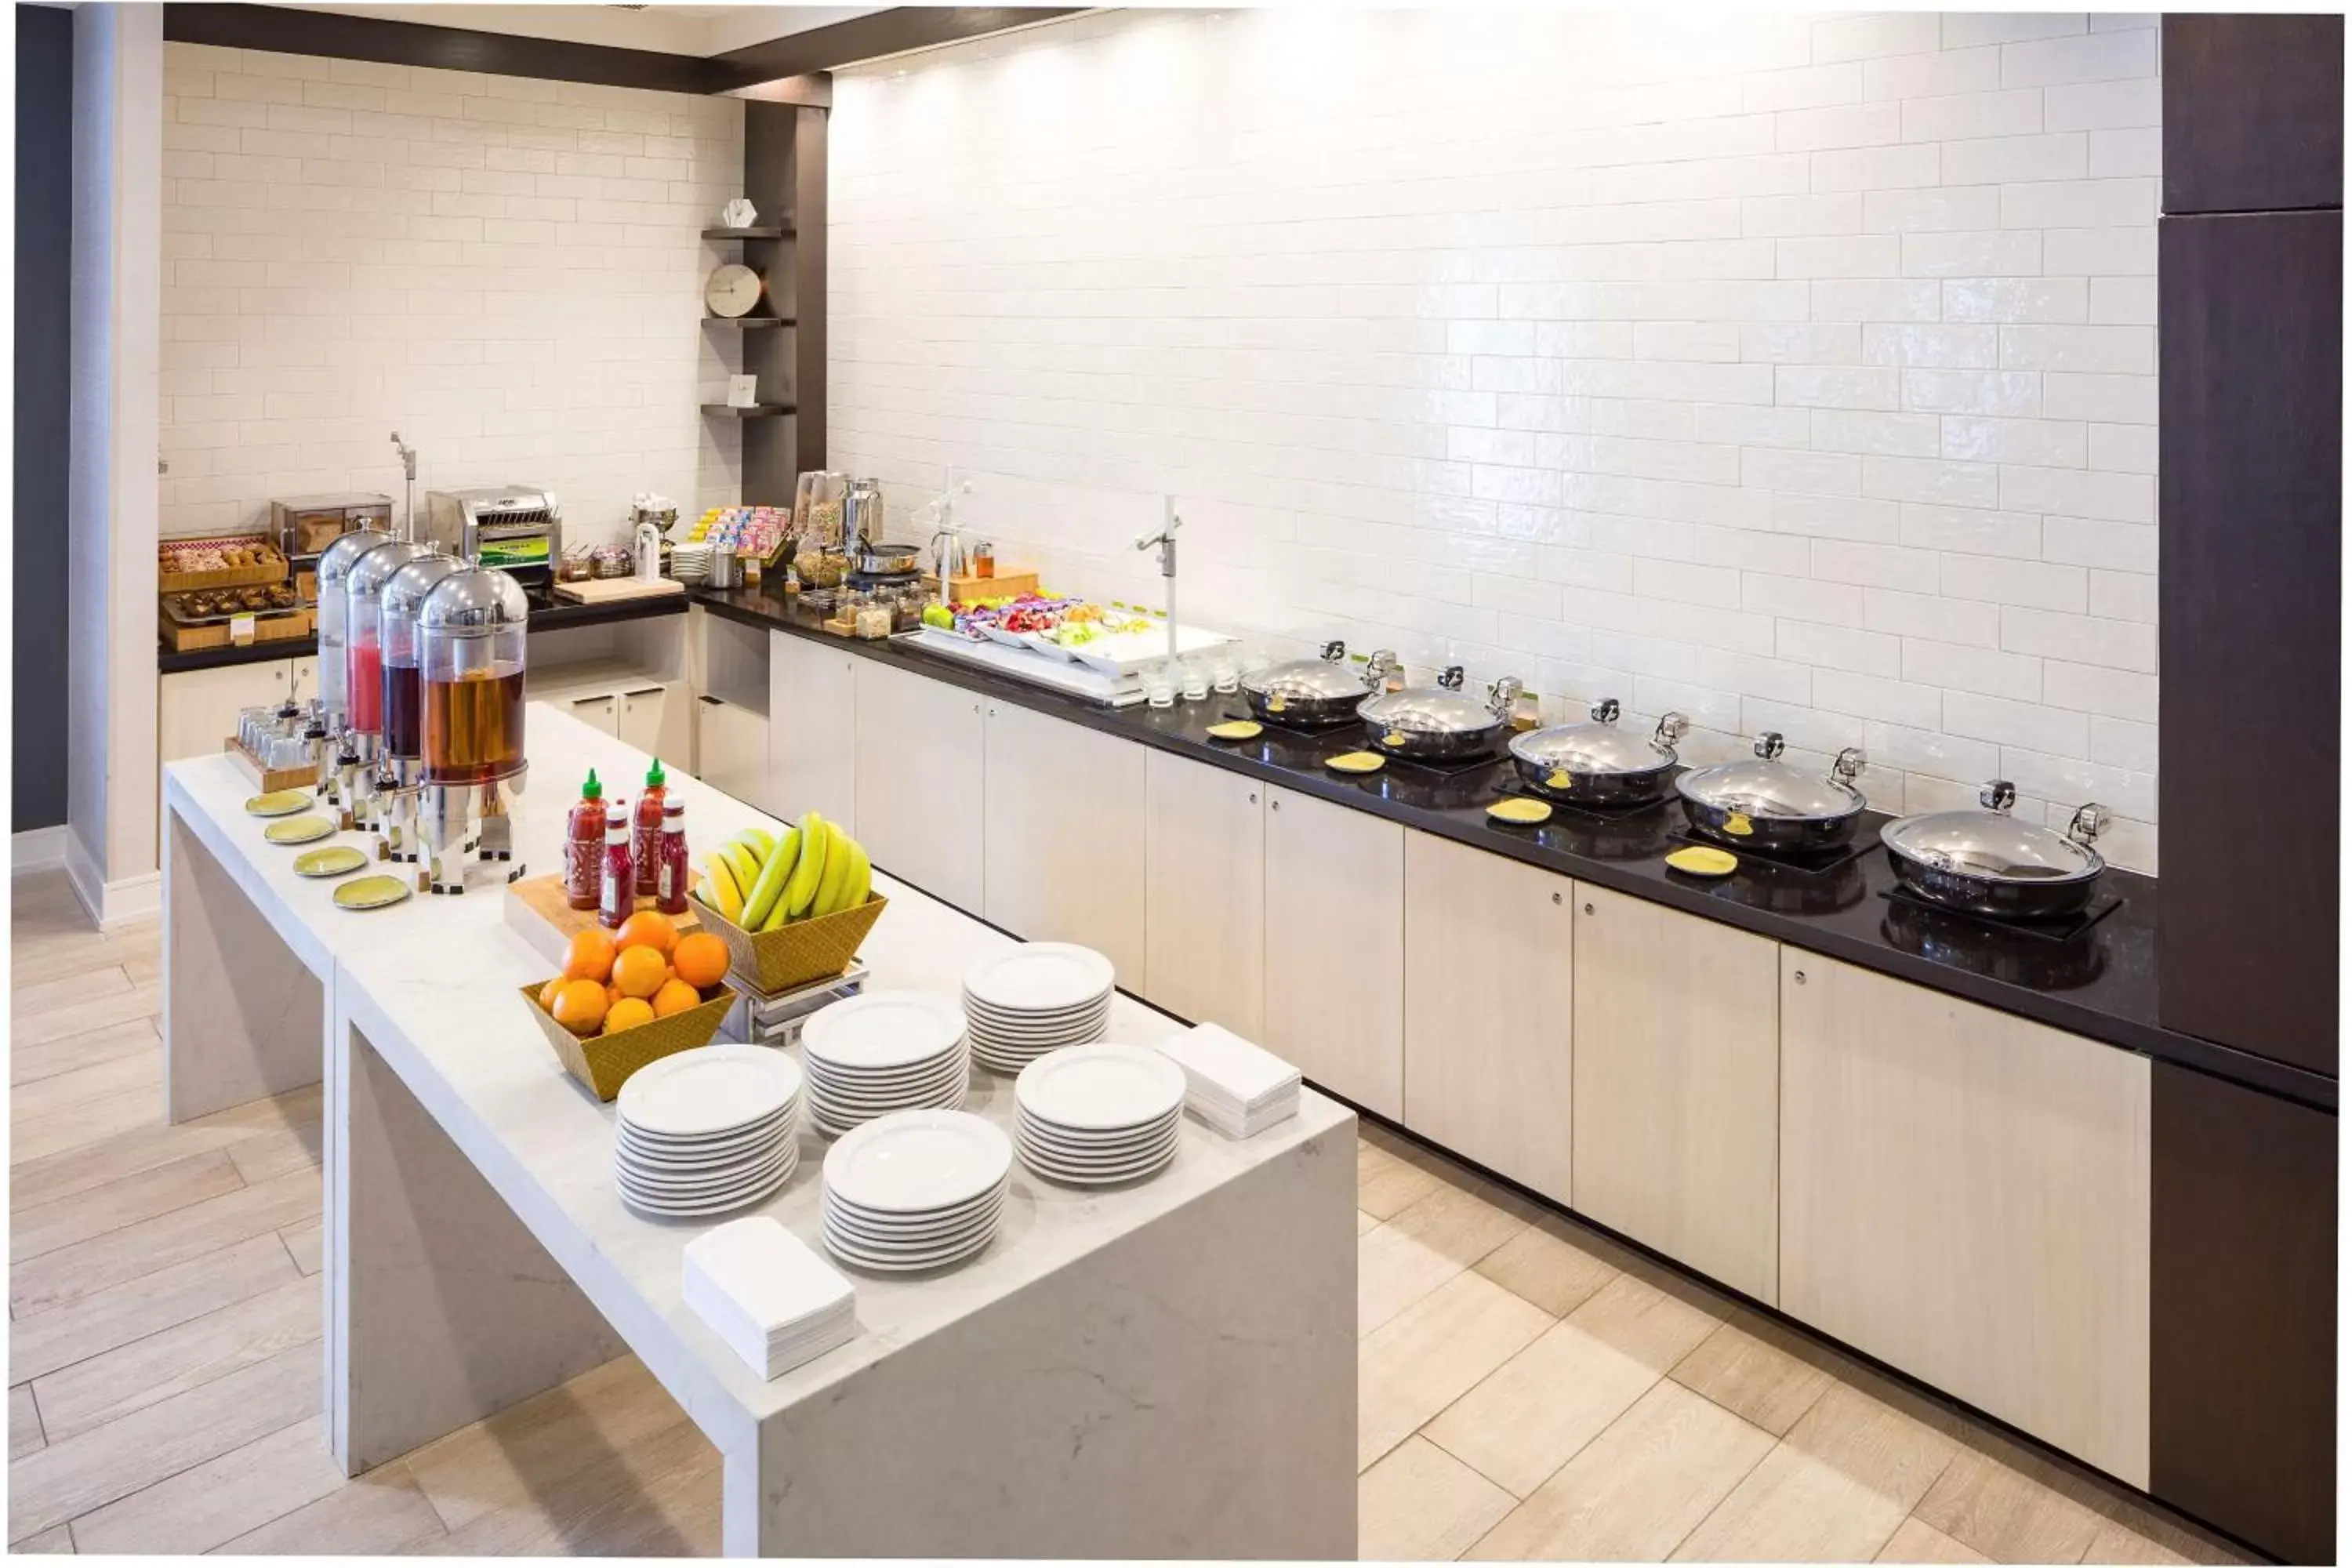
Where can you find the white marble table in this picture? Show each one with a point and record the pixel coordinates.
(1166, 1369)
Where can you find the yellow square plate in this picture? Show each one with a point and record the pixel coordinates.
(298, 830)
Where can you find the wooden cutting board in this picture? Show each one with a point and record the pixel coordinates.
(537, 910)
(604, 589)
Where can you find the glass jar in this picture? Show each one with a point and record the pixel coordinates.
(470, 632)
(404, 687)
(334, 572)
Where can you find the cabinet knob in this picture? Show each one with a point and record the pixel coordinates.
(1587, 909)
(1555, 898)
(1799, 977)
(1253, 797)
(1274, 804)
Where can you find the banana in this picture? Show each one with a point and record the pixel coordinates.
(860, 886)
(759, 840)
(834, 883)
(766, 894)
(719, 888)
(745, 865)
(800, 892)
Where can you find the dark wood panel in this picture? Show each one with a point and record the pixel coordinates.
(2251, 540)
(44, 368)
(2254, 112)
(890, 32)
(2241, 1386)
(811, 174)
(333, 34)
(771, 182)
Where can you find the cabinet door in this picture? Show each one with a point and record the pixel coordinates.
(1676, 1085)
(196, 709)
(1335, 947)
(640, 719)
(1061, 836)
(731, 751)
(600, 712)
(1965, 1195)
(919, 781)
(1205, 893)
(813, 729)
(1489, 994)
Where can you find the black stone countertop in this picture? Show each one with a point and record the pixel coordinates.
(2100, 983)
(544, 618)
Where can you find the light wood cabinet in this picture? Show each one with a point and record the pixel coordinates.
(813, 728)
(196, 709)
(1205, 893)
(1063, 836)
(730, 751)
(602, 710)
(1335, 947)
(1965, 1195)
(1676, 1085)
(919, 766)
(640, 719)
(1490, 997)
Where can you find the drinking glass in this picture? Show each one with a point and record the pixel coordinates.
(1160, 685)
(1224, 671)
(1195, 673)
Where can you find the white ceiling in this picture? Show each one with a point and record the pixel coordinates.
(671, 30)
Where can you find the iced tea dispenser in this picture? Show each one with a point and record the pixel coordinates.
(470, 639)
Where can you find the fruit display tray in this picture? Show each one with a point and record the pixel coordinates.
(603, 1062)
(795, 953)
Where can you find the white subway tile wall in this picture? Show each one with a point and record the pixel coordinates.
(1796, 373)
(506, 271)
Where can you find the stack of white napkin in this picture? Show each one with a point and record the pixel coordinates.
(1235, 1087)
(768, 1294)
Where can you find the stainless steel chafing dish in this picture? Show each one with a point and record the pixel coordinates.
(1989, 863)
(1598, 764)
(1313, 692)
(1767, 805)
(1438, 724)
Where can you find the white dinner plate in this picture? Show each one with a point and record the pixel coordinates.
(1035, 1023)
(1039, 976)
(763, 1182)
(768, 1129)
(977, 1006)
(860, 1258)
(833, 1204)
(733, 1173)
(1094, 1176)
(1084, 1033)
(714, 1089)
(824, 1075)
(1109, 1154)
(669, 1210)
(865, 1231)
(1120, 1147)
(1100, 1087)
(912, 1162)
(954, 1069)
(945, 1246)
(880, 1030)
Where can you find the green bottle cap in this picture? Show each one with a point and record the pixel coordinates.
(591, 790)
(654, 777)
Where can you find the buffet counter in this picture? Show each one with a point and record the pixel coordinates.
(1073, 1391)
(557, 616)
(2101, 983)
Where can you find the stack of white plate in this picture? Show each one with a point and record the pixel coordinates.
(708, 1131)
(691, 561)
(1093, 1115)
(916, 1189)
(882, 1051)
(1034, 998)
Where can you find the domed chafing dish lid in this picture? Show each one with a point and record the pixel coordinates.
(1766, 786)
(1599, 747)
(1994, 847)
(372, 569)
(336, 563)
(406, 588)
(1328, 679)
(1440, 709)
(474, 600)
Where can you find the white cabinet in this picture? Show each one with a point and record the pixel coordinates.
(1489, 996)
(302, 676)
(1205, 893)
(196, 709)
(1965, 1195)
(1335, 947)
(1676, 1085)
(640, 719)
(731, 751)
(919, 760)
(598, 711)
(1061, 836)
(813, 728)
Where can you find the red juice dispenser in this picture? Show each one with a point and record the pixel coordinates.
(335, 701)
(470, 641)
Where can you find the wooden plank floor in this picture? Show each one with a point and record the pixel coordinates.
(1526, 1388)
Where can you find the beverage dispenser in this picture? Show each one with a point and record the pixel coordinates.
(335, 565)
(363, 669)
(402, 766)
(470, 640)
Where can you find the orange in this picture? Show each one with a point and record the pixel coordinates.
(615, 994)
(579, 1006)
(627, 1014)
(640, 970)
(674, 997)
(700, 959)
(590, 956)
(647, 928)
(546, 994)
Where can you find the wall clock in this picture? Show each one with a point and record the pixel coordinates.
(732, 291)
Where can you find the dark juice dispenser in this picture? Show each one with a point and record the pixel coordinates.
(402, 770)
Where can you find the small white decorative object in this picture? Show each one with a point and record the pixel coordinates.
(732, 291)
(742, 391)
(738, 213)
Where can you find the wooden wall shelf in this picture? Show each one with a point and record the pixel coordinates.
(747, 323)
(757, 231)
(757, 410)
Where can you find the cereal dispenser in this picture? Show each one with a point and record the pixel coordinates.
(402, 768)
(469, 634)
(334, 571)
(363, 670)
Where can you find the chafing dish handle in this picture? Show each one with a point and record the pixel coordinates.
(1605, 712)
(1452, 679)
(1672, 727)
(1769, 744)
(2000, 795)
(2090, 821)
(1849, 762)
(1334, 651)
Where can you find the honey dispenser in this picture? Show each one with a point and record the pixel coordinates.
(363, 673)
(401, 769)
(470, 641)
(334, 703)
